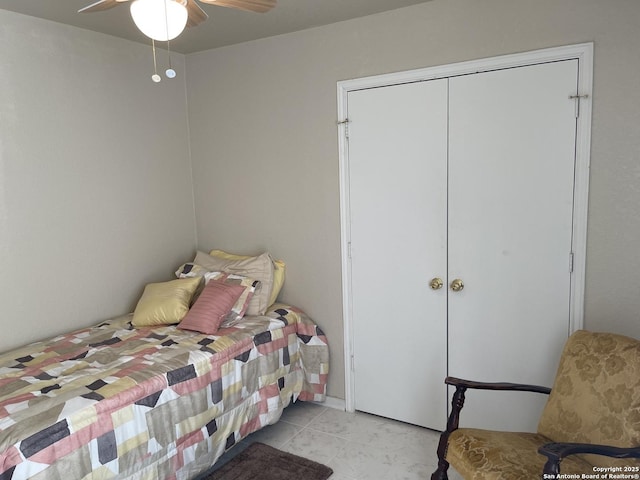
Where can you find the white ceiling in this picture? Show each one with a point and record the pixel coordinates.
(225, 26)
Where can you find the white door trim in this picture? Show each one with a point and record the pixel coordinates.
(584, 54)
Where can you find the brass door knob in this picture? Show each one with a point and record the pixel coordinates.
(436, 283)
(457, 285)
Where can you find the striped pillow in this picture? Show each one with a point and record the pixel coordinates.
(242, 304)
(190, 270)
(212, 307)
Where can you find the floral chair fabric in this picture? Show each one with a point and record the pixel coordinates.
(595, 399)
(485, 454)
(596, 394)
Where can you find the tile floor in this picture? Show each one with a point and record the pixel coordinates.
(357, 446)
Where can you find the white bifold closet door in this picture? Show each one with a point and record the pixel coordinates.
(511, 179)
(468, 178)
(398, 177)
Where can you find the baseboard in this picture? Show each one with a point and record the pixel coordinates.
(333, 402)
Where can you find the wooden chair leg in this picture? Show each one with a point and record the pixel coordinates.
(452, 424)
(443, 465)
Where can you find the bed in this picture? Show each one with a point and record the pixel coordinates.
(115, 401)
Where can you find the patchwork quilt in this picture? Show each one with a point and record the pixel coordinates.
(114, 401)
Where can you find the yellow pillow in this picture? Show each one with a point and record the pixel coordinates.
(278, 271)
(278, 279)
(164, 303)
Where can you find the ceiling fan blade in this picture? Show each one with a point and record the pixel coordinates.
(259, 6)
(196, 14)
(100, 5)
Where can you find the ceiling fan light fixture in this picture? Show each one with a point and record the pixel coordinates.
(161, 20)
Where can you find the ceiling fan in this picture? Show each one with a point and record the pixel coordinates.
(164, 20)
(195, 14)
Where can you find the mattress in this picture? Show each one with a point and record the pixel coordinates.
(114, 401)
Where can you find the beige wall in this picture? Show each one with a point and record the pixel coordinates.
(95, 181)
(262, 117)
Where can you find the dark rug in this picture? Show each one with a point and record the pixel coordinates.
(260, 461)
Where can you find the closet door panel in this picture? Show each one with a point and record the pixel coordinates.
(511, 174)
(397, 170)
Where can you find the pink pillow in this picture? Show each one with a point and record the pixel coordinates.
(212, 307)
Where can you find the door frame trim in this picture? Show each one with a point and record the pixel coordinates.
(584, 54)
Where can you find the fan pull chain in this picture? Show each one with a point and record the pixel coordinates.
(155, 77)
(170, 72)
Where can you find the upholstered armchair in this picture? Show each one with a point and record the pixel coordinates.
(591, 420)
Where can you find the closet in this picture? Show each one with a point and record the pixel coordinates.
(460, 225)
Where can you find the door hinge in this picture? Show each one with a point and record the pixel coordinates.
(345, 122)
(353, 363)
(571, 262)
(349, 250)
(577, 99)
